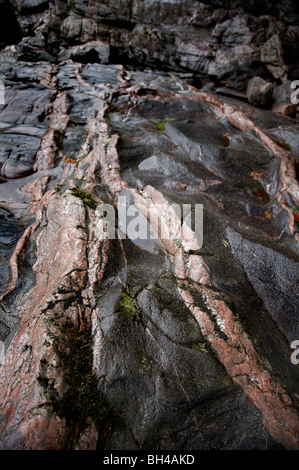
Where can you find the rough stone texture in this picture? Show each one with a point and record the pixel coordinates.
(259, 92)
(279, 53)
(154, 344)
(228, 42)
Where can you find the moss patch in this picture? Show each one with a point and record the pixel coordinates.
(126, 307)
(80, 398)
(109, 116)
(85, 197)
(58, 188)
(159, 125)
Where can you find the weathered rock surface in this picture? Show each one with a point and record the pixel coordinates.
(226, 44)
(259, 92)
(155, 344)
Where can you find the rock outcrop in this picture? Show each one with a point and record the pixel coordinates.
(178, 342)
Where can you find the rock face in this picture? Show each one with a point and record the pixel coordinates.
(259, 92)
(177, 342)
(225, 45)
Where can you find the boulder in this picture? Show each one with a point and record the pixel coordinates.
(279, 53)
(284, 108)
(91, 52)
(259, 92)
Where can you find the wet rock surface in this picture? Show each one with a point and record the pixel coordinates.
(150, 343)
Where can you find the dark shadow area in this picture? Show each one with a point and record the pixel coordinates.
(10, 31)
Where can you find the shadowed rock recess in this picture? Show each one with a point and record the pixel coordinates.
(153, 344)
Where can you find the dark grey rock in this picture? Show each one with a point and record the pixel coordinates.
(282, 93)
(153, 364)
(259, 92)
(274, 277)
